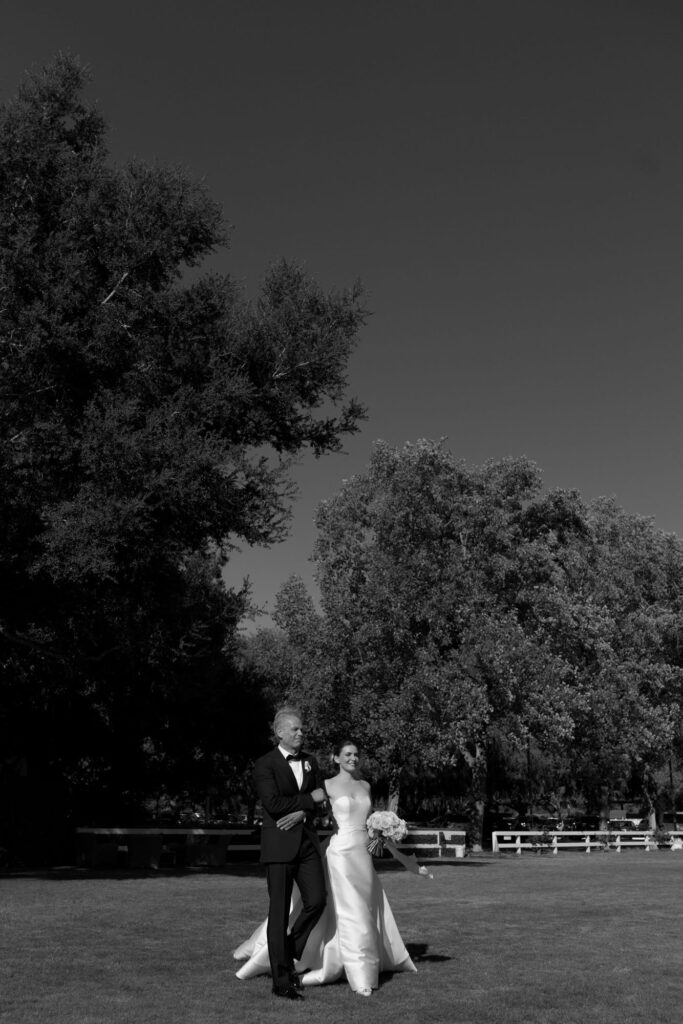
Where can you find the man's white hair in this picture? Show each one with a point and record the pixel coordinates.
(280, 715)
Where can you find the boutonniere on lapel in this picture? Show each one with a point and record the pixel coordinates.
(307, 766)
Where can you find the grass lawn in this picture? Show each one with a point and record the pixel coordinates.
(570, 939)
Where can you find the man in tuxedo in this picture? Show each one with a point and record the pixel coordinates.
(290, 788)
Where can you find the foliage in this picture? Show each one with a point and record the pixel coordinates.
(471, 620)
(627, 655)
(147, 422)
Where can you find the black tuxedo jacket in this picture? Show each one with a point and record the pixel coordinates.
(279, 794)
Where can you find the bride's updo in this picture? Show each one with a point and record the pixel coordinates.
(335, 756)
(340, 744)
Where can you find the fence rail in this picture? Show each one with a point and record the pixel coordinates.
(215, 847)
(585, 841)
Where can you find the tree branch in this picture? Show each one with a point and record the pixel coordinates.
(116, 287)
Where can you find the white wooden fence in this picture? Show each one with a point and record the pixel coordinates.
(538, 841)
(152, 847)
(434, 845)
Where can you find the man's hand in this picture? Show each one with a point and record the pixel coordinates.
(290, 820)
(319, 795)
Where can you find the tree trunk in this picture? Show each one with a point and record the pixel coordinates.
(477, 762)
(394, 791)
(672, 796)
(604, 807)
(650, 793)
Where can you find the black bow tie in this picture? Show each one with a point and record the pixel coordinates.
(293, 757)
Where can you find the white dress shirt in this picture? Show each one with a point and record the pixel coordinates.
(296, 766)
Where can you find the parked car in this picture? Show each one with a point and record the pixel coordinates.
(582, 822)
(497, 821)
(538, 823)
(191, 818)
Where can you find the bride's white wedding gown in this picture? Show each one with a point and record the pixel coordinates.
(357, 933)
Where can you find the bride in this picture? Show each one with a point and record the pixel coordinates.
(357, 933)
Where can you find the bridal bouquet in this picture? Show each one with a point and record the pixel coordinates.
(383, 826)
(386, 828)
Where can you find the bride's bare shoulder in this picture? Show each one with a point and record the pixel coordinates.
(330, 786)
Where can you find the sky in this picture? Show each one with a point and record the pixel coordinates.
(505, 178)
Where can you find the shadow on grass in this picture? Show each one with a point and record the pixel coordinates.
(69, 873)
(238, 869)
(419, 955)
(455, 865)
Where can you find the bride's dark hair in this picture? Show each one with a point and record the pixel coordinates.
(340, 744)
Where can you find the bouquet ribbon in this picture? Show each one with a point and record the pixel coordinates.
(410, 863)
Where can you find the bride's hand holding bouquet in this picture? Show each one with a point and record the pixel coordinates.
(386, 829)
(383, 826)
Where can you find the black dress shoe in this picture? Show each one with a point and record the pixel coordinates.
(295, 980)
(287, 992)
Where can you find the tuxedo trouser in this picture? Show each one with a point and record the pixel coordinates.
(307, 871)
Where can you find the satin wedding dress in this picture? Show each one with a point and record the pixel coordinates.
(357, 933)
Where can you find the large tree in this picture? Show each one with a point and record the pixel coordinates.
(471, 621)
(429, 573)
(148, 417)
(626, 648)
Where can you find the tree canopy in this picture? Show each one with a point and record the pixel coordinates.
(148, 418)
(471, 621)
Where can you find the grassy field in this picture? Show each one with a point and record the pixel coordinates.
(569, 939)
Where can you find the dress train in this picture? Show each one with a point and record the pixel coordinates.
(357, 934)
